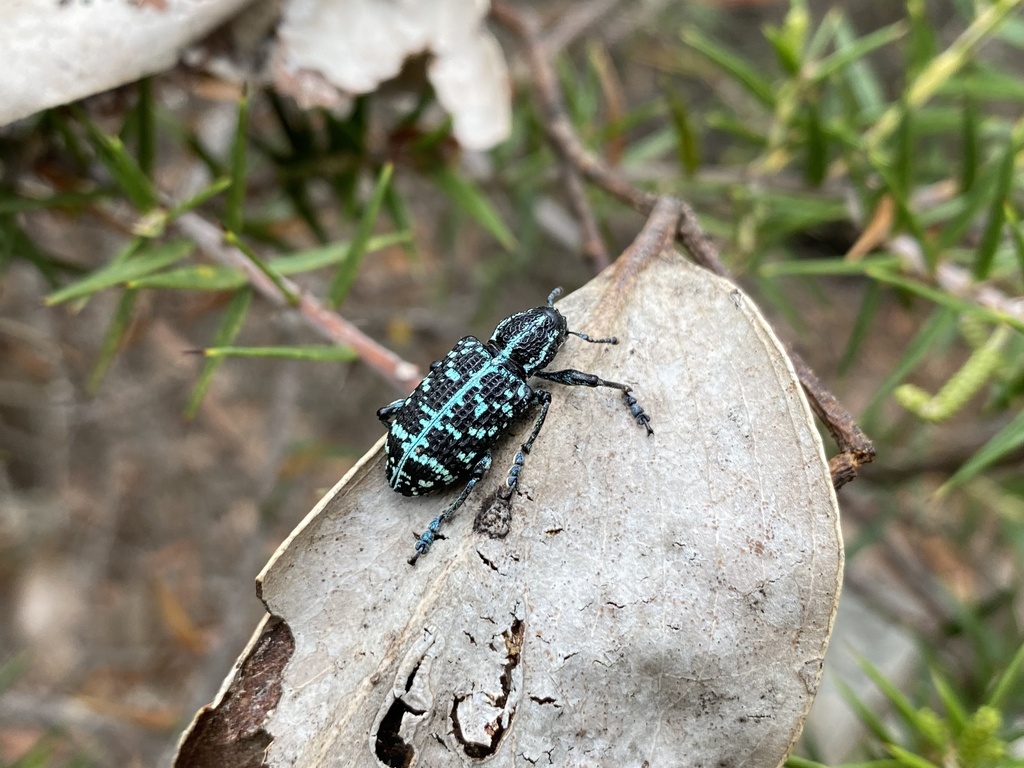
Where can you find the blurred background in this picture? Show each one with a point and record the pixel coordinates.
(858, 165)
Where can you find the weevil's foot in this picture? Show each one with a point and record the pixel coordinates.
(639, 415)
(423, 542)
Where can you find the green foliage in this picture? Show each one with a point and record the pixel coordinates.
(349, 267)
(230, 325)
(954, 734)
(829, 117)
(151, 259)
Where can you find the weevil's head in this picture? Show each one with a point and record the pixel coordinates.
(532, 338)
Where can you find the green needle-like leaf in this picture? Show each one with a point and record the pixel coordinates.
(942, 68)
(19, 204)
(970, 147)
(909, 759)
(144, 262)
(1008, 679)
(1008, 439)
(858, 74)
(944, 299)
(864, 713)
(904, 708)
(817, 146)
(335, 253)
(869, 307)
(197, 277)
(210, 192)
(272, 274)
(802, 762)
(955, 710)
(851, 51)
(233, 212)
(208, 277)
(349, 268)
(686, 141)
(828, 267)
(399, 213)
(467, 196)
(997, 212)
(119, 325)
(935, 331)
(230, 325)
(121, 165)
(1016, 234)
(323, 352)
(740, 71)
(146, 127)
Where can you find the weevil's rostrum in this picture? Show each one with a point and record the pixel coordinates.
(443, 432)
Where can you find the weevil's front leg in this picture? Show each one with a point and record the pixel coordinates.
(580, 379)
(427, 537)
(387, 413)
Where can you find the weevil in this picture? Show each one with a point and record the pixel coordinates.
(442, 434)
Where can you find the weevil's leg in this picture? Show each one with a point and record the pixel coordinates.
(427, 537)
(580, 379)
(543, 397)
(387, 413)
(609, 340)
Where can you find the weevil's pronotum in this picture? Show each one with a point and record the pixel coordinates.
(443, 432)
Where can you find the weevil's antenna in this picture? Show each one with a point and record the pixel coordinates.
(554, 295)
(609, 340)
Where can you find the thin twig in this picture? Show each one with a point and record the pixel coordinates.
(575, 21)
(590, 236)
(856, 449)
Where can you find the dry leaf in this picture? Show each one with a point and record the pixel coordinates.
(659, 600)
(358, 44)
(55, 53)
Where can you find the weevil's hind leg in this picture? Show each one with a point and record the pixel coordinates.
(427, 537)
(495, 516)
(543, 397)
(575, 378)
(387, 413)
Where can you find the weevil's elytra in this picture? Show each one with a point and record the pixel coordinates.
(442, 434)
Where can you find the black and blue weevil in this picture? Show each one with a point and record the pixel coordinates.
(443, 432)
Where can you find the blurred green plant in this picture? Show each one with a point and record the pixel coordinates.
(313, 148)
(957, 734)
(876, 154)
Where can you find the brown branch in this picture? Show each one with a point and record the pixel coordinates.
(856, 449)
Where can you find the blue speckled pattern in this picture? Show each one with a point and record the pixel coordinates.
(453, 418)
